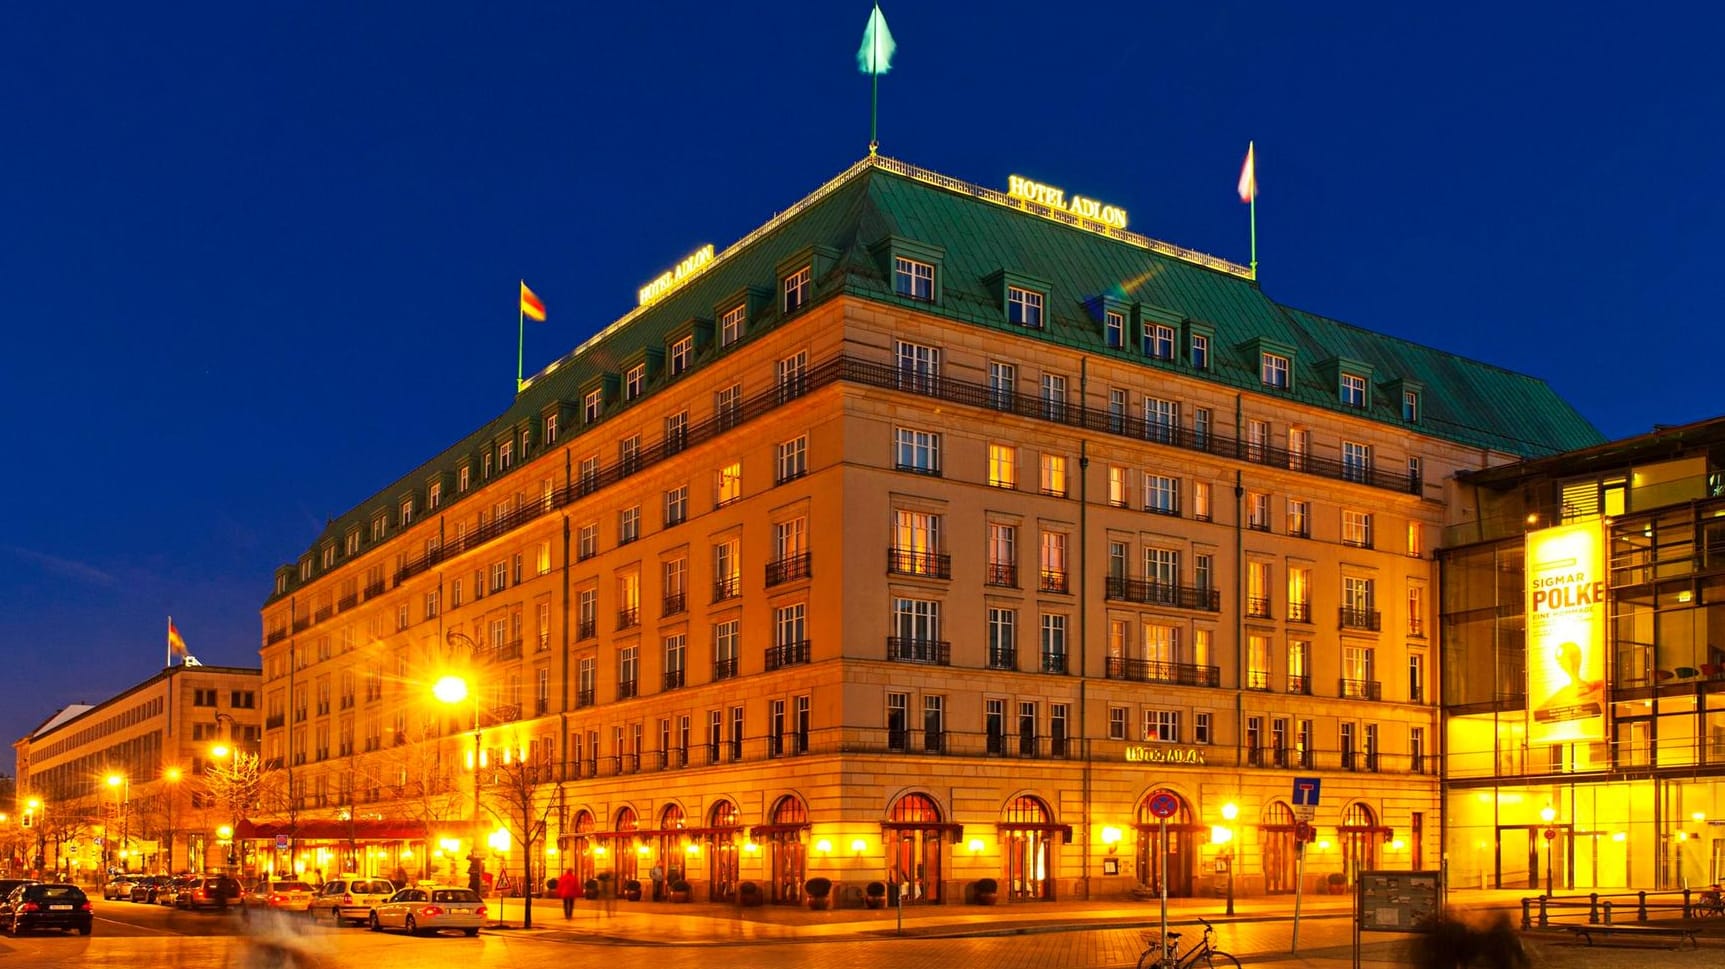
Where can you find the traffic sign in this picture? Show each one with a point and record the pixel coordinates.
(1164, 804)
(281, 842)
(1306, 791)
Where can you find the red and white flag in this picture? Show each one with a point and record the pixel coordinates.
(1249, 177)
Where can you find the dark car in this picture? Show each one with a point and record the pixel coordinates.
(42, 906)
(7, 884)
(218, 892)
(168, 893)
(144, 889)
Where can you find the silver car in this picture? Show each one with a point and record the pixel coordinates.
(350, 898)
(430, 909)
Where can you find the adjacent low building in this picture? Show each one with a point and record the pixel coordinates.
(927, 534)
(124, 784)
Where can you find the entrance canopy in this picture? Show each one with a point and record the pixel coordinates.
(329, 830)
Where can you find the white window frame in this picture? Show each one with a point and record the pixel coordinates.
(1274, 370)
(795, 290)
(913, 279)
(1024, 307)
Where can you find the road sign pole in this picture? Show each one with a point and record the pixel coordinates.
(1299, 889)
(1162, 882)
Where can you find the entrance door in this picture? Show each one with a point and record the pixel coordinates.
(915, 853)
(1519, 863)
(1280, 857)
(1181, 848)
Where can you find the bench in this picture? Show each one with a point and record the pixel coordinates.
(1674, 933)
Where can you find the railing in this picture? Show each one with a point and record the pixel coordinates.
(1300, 612)
(1300, 684)
(1158, 671)
(788, 568)
(887, 376)
(930, 652)
(583, 698)
(905, 561)
(1051, 580)
(1258, 680)
(627, 689)
(1359, 689)
(1164, 594)
(724, 669)
(347, 602)
(1368, 619)
(1002, 574)
(1416, 627)
(673, 679)
(587, 629)
(629, 618)
(510, 650)
(787, 654)
(727, 587)
(673, 604)
(1053, 662)
(373, 589)
(1258, 607)
(274, 720)
(1002, 658)
(275, 636)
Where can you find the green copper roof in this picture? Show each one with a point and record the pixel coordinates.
(981, 234)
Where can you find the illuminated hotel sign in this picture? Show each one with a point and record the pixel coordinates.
(1566, 634)
(1147, 754)
(1055, 198)
(672, 278)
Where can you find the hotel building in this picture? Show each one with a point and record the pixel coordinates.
(122, 783)
(928, 533)
(1583, 624)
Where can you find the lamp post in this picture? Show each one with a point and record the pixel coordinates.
(33, 817)
(1223, 834)
(452, 689)
(1548, 814)
(117, 781)
(233, 756)
(172, 777)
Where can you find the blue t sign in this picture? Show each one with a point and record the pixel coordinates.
(1306, 791)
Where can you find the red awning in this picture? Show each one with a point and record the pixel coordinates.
(945, 827)
(323, 829)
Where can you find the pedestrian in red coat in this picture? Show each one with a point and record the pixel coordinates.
(568, 889)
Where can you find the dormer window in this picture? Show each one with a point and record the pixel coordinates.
(634, 380)
(433, 499)
(913, 279)
(796, 289)
(463, 479)
(681, 353)
(1158, 341)
(505, 455)
(486, 473)
(550, 428)
(407, 511)
(1273, 370)
(591, 404)
(329, 556)
(731, 324)
(1024, 307)
(1411, 406)
(378, 525)
(350, 544)
(1200, 351)
(1353, 390)
(1114, 328)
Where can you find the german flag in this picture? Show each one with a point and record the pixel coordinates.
(532, 306)
(176, 643)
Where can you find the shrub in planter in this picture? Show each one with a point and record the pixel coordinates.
(987, 891)
(679, 891)
(819, 891)
(749, 894)
(632, 890)
(874, 895)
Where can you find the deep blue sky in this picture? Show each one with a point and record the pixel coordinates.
(257, 260)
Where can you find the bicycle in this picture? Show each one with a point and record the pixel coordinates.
(1162, 953)
(1710, 905)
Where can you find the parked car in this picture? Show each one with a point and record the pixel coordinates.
(350, 898)
(282, 896)
(120, 886)
(433, 909)
(169, 892)
(144, 889)
(218, 892)
(46, 906)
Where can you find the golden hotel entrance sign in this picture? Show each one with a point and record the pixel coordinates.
(1148, 754)
(1566, 633)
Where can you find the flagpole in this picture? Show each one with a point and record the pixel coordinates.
(520, 335)
(170, 642)
(874, 103)
(1252, 150)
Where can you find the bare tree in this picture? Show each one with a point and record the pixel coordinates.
(518, 797)
(237, 785)
(415, 777)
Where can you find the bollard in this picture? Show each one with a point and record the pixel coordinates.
(1641, 906)
(1526, 913)
(1686, 902)
(1607, 913)
(1593, 907)
(1544, 919)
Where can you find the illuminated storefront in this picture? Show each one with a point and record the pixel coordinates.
(1584, 668)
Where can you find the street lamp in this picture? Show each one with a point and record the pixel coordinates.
(33, 819)
(172, 776)
(1223, 834)
(1548, 814)
(232, 753)
(452, 689)
(115, 781)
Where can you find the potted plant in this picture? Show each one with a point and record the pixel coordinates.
(987, 891)
(1338, 882)
(874, 895)
(749, 895)
(632, 890)
(679, 891)
(819, 890)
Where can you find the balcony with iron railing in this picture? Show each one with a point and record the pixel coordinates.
(727, 587)
(1003, 574)
(674, 603)
(583, 698)
(1300, 612)
(929, 652)
(1002, 658)
(586, 629)
(628, 618)
(628, 689)
(1159, 671)
(673, 679)
(1051, 580)
(1163, 594)
(1258, 680)
(906, 561)
(1300, 685)
(274, 720)
(509, 650)
(724, 669)
(788, 569)
(1359, 689)
(1366, 619)
(1257, 607)
(1052, 661)
(1416, 627)
(787, 654)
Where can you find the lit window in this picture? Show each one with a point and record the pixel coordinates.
(1273, 370)
(1002, 466)
(1416, 539)
(731, 325)
(730, 483)
(1024, 307)
(1353, 390)
(796, 290)
(913, 279)
(1357, 529)
(1054, 475)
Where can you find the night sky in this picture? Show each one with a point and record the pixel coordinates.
(258, 260)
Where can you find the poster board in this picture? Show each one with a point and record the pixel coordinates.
(1397, 901)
